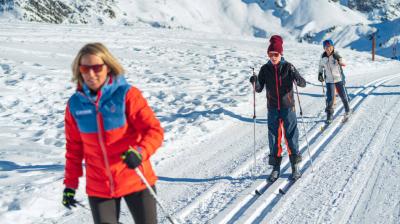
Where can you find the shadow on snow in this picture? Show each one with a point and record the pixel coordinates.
(214, 179)
(11, 166)
(212, 114)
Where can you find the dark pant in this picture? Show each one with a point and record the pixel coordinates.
(282, 121)
(330, 94)
(142, 206)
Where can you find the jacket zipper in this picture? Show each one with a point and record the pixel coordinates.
(277, 87)
(330, 69)
(103, 147)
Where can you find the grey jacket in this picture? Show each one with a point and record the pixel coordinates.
(330, 64)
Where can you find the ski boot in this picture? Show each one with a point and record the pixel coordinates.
(276, 170)
(346, 116)
(329, 117)
(295, 161)
(296, 174)
(348, 113)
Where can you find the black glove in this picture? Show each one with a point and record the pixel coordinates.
(132, 158)
(68, 198)
(253, 79)
(320, 77)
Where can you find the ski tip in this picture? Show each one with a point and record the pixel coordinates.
(281, 191)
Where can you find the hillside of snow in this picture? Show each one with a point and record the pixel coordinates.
(350, 23)
(197, 84)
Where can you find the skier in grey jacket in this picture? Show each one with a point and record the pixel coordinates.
(330, 70)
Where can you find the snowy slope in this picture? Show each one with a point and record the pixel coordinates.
(197, 83)
(349, 23)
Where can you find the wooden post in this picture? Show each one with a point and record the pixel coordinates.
(373, 47)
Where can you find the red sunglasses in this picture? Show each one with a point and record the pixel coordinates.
(84, 69)
(273, 54)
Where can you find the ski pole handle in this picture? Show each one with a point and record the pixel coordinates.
(253, 70)
(254, 95)
(153, 193)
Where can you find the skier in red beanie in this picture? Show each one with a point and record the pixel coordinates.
(277, 76)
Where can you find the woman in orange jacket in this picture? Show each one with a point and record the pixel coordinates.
(105, 118)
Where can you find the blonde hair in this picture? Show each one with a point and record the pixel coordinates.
(101, 51)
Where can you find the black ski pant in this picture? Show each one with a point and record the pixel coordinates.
(142, 206)
(283, 124)
(330, 94)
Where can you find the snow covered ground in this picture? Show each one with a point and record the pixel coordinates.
(197, 83)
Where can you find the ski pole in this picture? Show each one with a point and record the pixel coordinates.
(344, 81)
(304, 128)
(323, 92)
(140, 174)
(323, 87)
(254, 124)
(82, 205)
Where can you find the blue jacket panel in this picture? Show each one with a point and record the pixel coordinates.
(111, 106)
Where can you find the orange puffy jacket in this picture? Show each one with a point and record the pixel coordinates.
(100, 128)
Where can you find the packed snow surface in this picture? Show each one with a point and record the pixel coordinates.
(197, 84)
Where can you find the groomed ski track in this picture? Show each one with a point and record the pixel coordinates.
(251, 208)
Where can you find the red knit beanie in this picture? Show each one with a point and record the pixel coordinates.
(276, 44)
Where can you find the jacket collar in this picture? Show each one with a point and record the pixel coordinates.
(110, 86)
(283, 61)
(326, 55)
